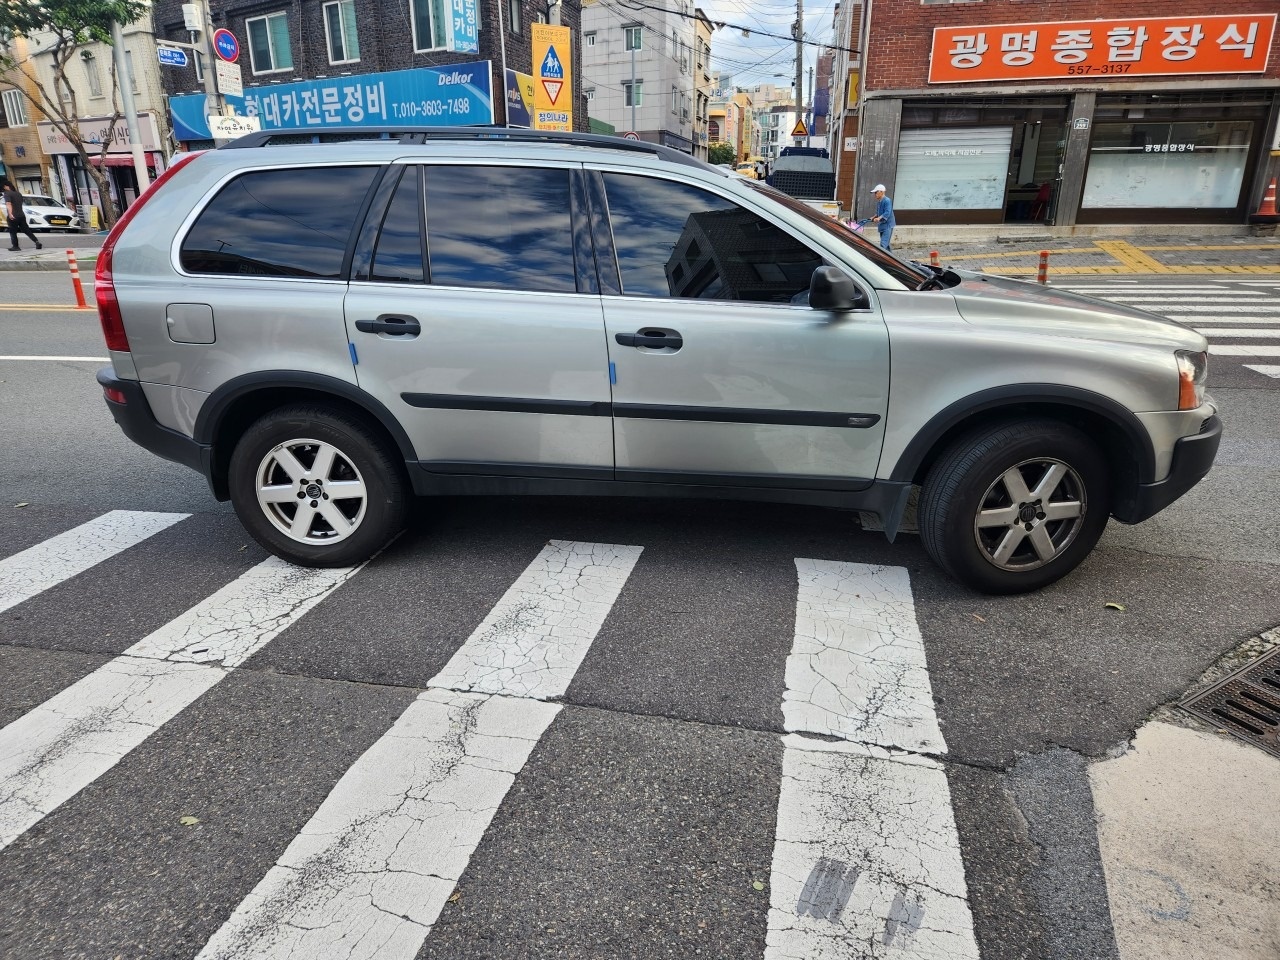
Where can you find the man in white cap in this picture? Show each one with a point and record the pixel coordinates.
(884, 215)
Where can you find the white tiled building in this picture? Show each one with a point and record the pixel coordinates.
(640, 70)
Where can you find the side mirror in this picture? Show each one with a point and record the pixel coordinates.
(829, 289)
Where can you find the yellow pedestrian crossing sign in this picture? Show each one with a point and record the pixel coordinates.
(800, 129)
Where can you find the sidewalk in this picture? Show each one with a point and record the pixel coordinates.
(54, 254)
(1111, 256)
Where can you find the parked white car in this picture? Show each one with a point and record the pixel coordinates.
(46, 213)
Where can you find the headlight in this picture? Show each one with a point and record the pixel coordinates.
(36, 218)
(1193, 370)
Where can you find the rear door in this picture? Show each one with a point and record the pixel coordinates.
(475, 317)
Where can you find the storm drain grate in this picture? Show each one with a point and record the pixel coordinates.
(1247, 703)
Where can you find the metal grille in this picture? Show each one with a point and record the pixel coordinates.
(1246, 704)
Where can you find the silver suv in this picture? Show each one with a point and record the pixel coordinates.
(325, 329)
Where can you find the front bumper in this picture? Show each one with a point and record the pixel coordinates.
(1192, 459)
(140, 425)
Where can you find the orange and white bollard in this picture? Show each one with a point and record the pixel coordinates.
(933, 259)
(75, 280)
(1043, 275)
(1268, 206)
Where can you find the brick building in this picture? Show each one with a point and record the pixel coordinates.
(285, 41)
(1065, 112)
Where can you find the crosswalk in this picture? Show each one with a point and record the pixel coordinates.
(1241, 319)
(866, 849)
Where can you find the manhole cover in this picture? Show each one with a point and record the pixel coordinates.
(1247, 703)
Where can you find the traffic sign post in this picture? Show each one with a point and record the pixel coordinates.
(230, 82)
(631, 135)
(226, 46)
(553, 71)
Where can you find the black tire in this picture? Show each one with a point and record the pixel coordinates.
(971, 475)
(360, 456)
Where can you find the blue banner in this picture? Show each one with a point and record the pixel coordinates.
(457, 95)
(464, 32)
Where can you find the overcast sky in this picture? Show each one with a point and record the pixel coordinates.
(754, 59)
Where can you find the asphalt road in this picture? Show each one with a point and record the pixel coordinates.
(643, 820)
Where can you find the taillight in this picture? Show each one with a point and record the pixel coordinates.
(104, 288)
(115, 395)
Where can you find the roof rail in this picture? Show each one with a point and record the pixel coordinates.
(419, 135)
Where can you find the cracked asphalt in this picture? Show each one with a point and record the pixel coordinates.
(644, 821)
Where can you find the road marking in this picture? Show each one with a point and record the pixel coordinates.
(867, 857)
(368, 876)
(73, 359)
(1270, 371)
(1193, 318)
(43, 307)
(62, 557)
(857, 668)
(1243, 350)
(532, 643)
(53, 752)
(1239, 332)
(1175, 306)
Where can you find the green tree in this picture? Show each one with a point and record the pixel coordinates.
(57, 29)
(721, 153)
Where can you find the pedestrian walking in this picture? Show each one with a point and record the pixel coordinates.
(17, 218)
(884, 219)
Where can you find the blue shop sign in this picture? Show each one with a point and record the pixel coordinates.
(456, 95)
(464, 31)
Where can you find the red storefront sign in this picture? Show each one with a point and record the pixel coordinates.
(1140, 46)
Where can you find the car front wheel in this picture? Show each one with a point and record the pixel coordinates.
(1016, 507)
(315, 486)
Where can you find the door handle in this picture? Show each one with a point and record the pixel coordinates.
(650, 338)
(391, 323)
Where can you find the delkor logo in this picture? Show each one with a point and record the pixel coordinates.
(457, 76)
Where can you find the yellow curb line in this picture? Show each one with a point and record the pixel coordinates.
(1237, 246)
(1181, 268)
(47, 307)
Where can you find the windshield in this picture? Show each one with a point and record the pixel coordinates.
(40, 202)
(905, 273)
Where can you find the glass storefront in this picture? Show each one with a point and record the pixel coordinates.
(1182, 165)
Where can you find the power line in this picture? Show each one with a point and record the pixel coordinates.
(719, 24)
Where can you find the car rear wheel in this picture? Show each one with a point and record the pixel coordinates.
(1016, 507)
(317, 487)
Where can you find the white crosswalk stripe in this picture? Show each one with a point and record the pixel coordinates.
(1249, 318)
(866, 850)
(867, 858)
(1268, 370)
(369, 874)
(52, 753)
(60, 558)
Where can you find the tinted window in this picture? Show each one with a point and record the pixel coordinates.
(501, 227)
(279, 223)
(674, 240)
(399, 253)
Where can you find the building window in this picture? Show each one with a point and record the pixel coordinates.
(94, 76)
(589, 38)
(634, 38)
(513, 15)
(428, 24)
(591, 94)
(675, 99)
(269, 50)
(340, 28)
(633, 93)
(14, 108)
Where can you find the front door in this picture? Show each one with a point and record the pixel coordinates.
(723, 372)
(477, 323)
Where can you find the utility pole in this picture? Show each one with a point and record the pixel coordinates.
(633, 89)
(808, 123)
(799, 35)
(125, 82)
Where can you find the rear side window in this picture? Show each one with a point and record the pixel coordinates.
(500, 227)
(675, 240)
(398, 258)
(279, 223)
